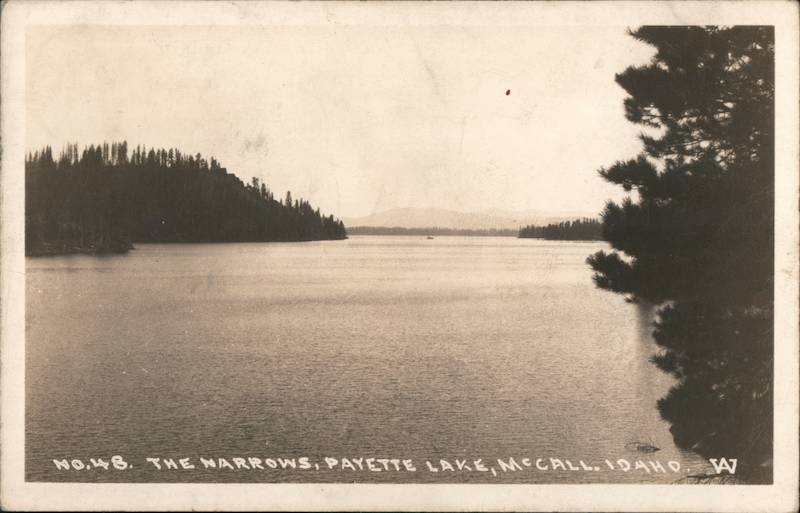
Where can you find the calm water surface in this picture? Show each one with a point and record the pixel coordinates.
(383, 347)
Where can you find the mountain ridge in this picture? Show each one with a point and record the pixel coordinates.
(497, 219)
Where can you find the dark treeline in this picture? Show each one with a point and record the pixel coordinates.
(397, 230)
(101, 199)
(580, 229)
(697, 238)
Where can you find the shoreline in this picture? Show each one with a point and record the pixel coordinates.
(51, 249)
(121, 248)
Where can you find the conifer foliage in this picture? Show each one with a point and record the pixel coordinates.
(101, 199)
(579, 229)
(696, 235)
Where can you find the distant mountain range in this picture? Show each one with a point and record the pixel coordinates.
(485, 220)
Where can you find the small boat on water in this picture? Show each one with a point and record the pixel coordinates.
(430, 237)
(642, 446)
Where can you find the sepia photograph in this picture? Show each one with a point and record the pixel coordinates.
(499, 246)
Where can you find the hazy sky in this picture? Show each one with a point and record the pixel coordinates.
(355, 119)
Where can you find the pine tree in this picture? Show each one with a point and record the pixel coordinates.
(698, 235)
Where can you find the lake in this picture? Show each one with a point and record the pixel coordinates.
(393, 348)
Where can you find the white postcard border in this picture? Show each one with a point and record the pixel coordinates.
(15, 493)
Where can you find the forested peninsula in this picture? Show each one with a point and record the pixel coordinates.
(579, 229)
(101, 200)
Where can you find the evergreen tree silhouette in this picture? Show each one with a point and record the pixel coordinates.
(101, 202)
(698, 237)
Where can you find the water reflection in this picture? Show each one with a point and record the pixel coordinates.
(376, 346)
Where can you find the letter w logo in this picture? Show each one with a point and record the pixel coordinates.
(723, 464)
